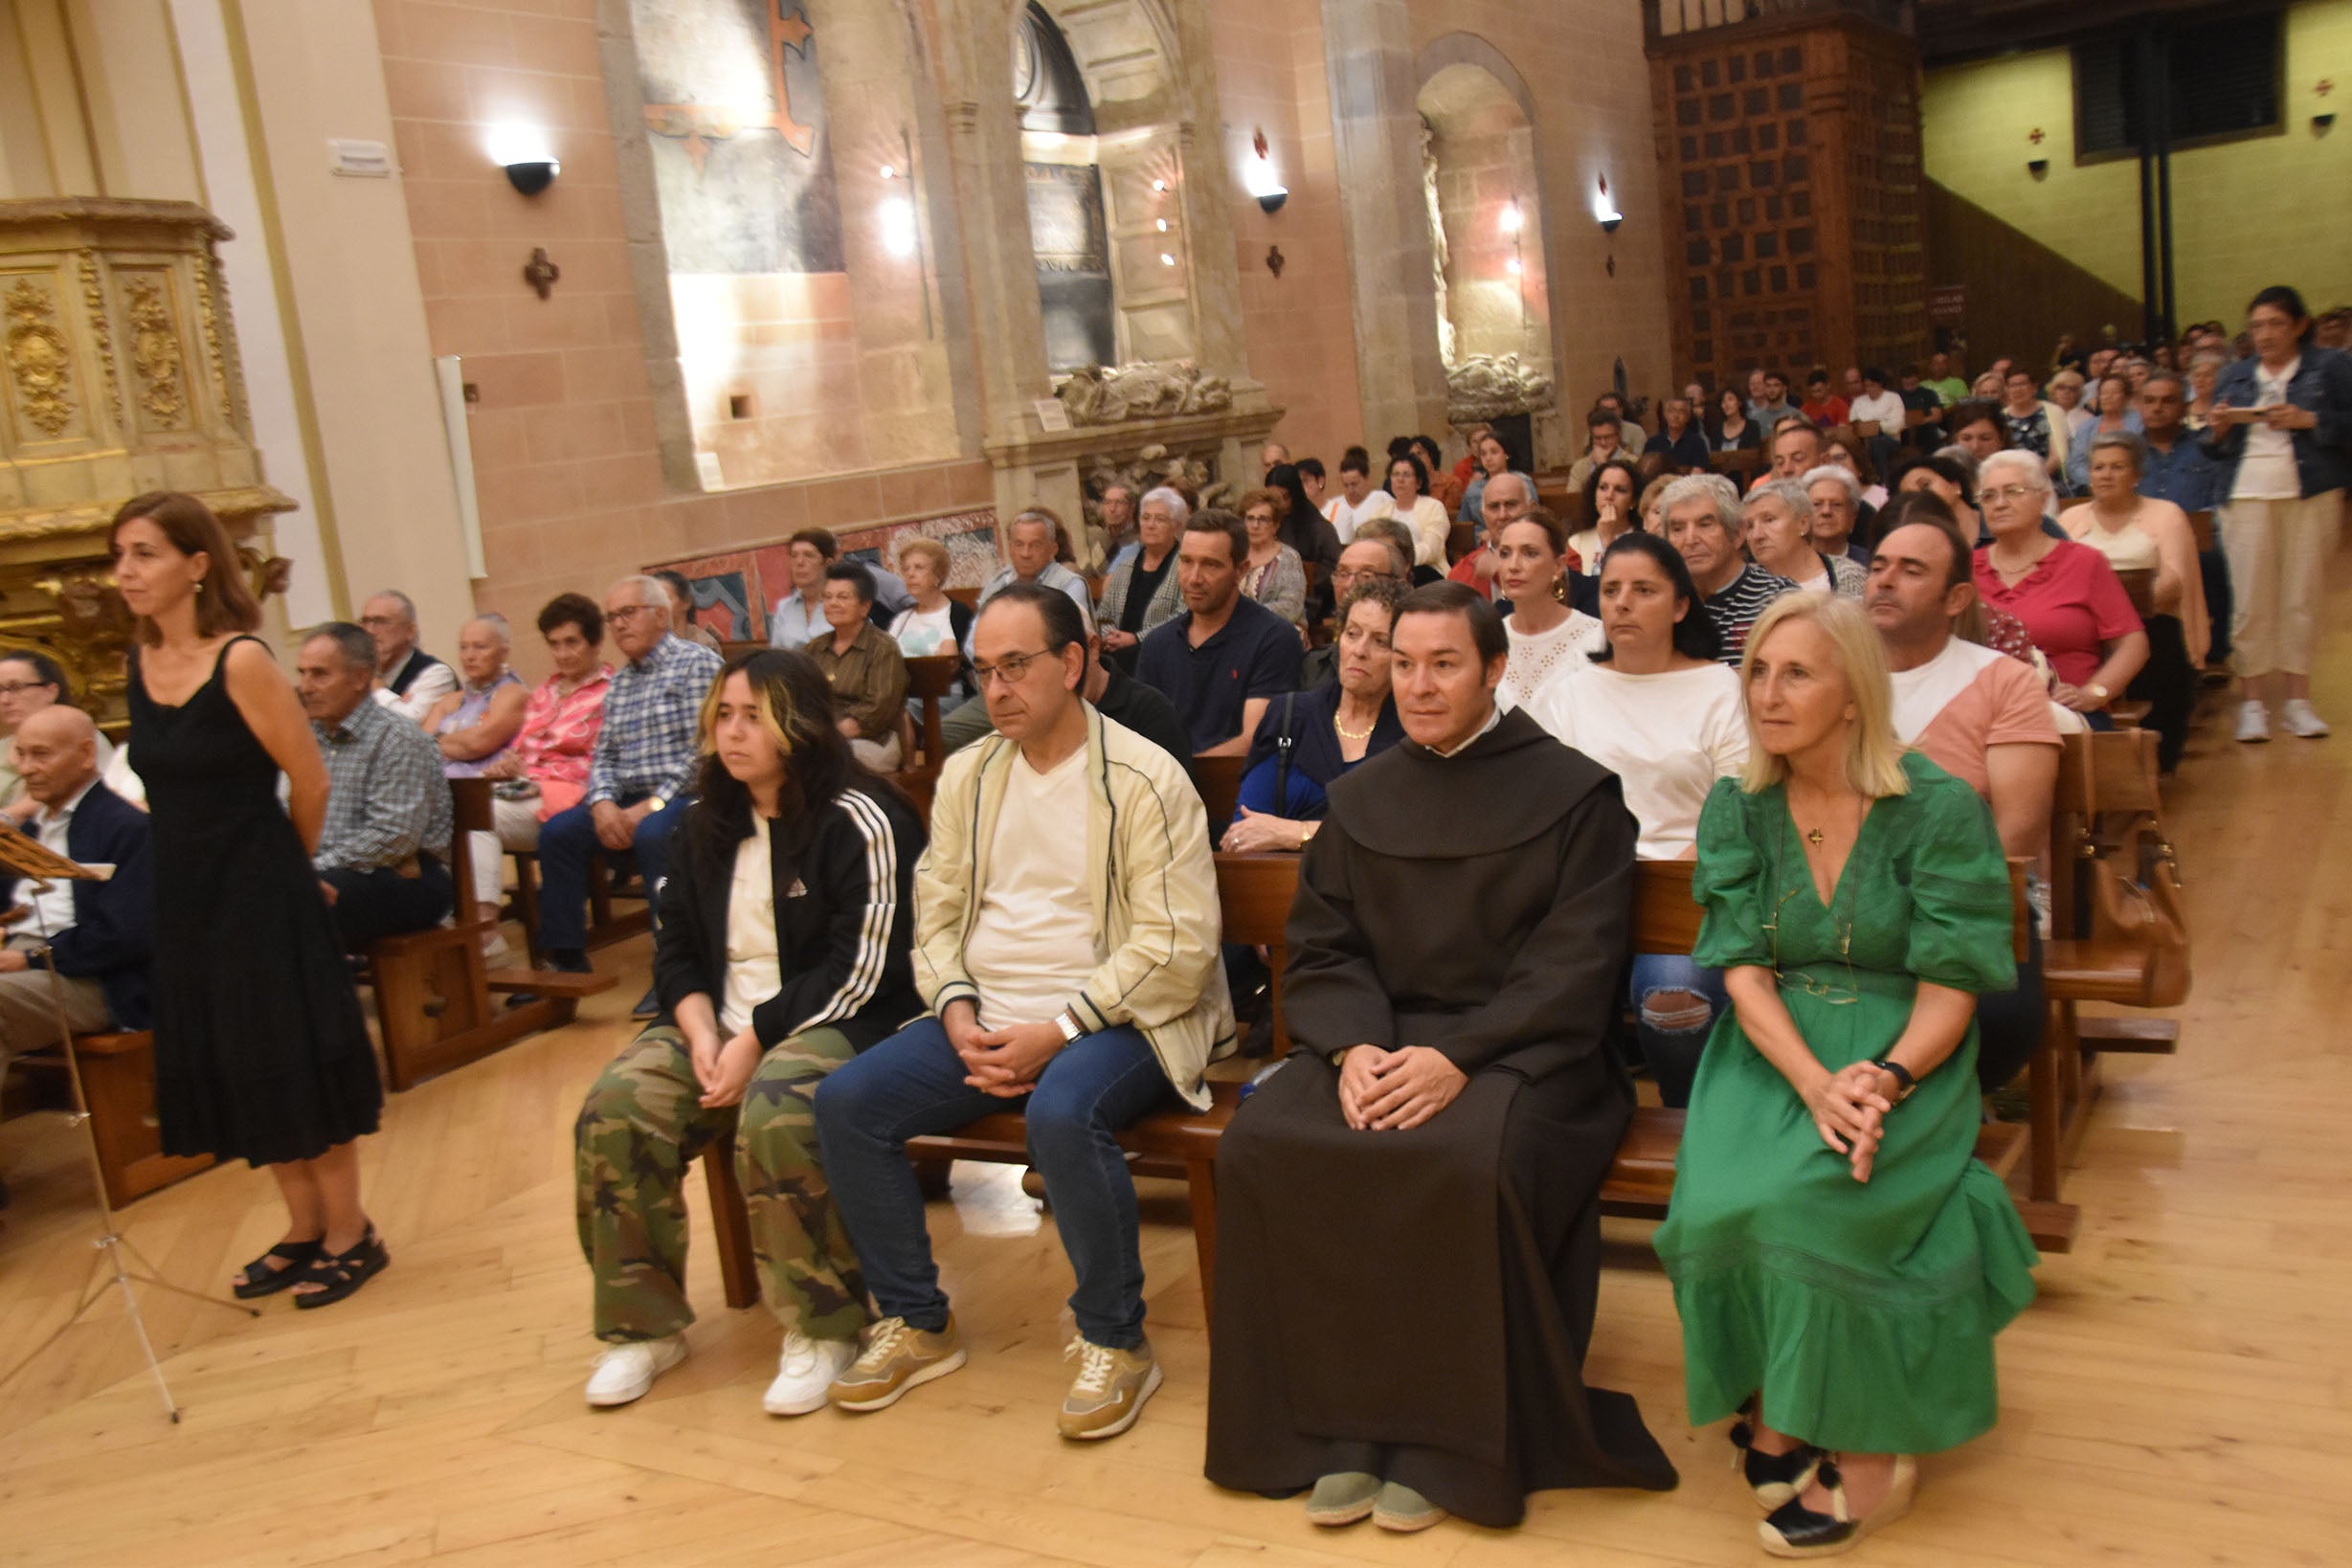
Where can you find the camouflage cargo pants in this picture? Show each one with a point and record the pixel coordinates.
(642, 1129)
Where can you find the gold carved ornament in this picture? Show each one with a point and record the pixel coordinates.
(38, 358)
(94, 298)
(155, 352)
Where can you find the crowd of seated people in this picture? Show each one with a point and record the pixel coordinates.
(1843, 704)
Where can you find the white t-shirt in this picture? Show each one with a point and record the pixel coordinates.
(1667, 737)
(1034, 943)
(921, 633)
(1534, 655)
(2267, 472)
(754, 974)
(52, 911)
(1887, 408)
(1345, 518)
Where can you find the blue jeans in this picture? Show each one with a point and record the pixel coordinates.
(1676, 1001)
(568, 843)
(912, 1084)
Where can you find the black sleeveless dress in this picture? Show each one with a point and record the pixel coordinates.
(261, 1053)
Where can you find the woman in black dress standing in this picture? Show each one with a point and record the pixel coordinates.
(260, 1051)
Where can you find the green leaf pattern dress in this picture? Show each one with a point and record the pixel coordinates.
(1865, 1312)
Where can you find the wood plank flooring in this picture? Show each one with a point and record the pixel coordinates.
(2181, 1393)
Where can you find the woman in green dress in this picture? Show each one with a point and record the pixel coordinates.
(1840, 1260)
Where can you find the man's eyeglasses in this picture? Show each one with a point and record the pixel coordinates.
(630, 612)
(1009, 669)
(1350, 574)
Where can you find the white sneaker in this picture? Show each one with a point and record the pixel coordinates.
(625, 1372)
(2302, 721)
(805, 1373)
(2254, 721)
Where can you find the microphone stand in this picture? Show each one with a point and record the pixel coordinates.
(119, 1263)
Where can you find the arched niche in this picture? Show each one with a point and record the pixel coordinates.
(1485, 212)
(1103, 149)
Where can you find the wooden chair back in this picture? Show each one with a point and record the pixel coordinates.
(1573, 514)
(1254, 893)
(929, 680)
(470, 811)
(729, 650)
(1218, 779)
(968, 598)
(1667, 916)
(1741, 464)
(2139, 584)
(1460, 540)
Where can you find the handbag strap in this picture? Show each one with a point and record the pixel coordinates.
(1283, 740)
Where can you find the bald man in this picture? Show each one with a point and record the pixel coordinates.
(97, 933)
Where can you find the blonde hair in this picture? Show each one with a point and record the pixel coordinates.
(1873, 755)
(930, 550)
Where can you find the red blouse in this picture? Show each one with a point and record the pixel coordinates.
(2071, 602)
(558, 738)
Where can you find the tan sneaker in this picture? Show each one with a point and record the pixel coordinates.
(1110, 1389)
(897, 1356)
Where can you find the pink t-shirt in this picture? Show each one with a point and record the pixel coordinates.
(2071, 602)
(1967, 699)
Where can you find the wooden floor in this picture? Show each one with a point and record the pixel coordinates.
(2181, 1393)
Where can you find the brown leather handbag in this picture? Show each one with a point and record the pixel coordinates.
(2137, 899)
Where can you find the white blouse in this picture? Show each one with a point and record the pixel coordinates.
(1536, 656)
(1667, 737)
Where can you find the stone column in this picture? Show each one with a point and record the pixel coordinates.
(1376, 134)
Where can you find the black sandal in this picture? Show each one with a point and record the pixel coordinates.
(1776, 1480)
(261, 1279)
(343, 1272)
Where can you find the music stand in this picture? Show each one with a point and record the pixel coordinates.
(42, 868)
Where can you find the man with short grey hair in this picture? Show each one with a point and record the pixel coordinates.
(1511, 496)
(641, 778)
(1703, 523)
(1029, 544)
(383, 851)
(411, 680)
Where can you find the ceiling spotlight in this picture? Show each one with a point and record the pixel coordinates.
(888, 173)
(1159, 185)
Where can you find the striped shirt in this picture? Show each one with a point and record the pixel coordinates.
(385, 797)
(647, 746)
(1742, 599)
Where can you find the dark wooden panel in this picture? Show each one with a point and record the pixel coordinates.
(2022, 294)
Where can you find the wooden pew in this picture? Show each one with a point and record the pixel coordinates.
(606, 924)
(118, 1082)
(927, 681)
(1740, 465)
(1218, 779)
(435, 993)
(1183, 1144)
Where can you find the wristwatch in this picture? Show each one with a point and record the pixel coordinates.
(1905, 1082)
(1067, 1021)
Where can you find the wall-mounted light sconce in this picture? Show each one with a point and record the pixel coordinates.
(1167, 259)
(523, 152)
(1259, 178)
(1159, 185)
(2038, 168)
(1605, 211)
(2322, 122)
(1609, 225)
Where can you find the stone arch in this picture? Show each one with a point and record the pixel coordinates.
(1483, 191)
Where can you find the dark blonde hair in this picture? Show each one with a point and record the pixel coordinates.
(224, 602)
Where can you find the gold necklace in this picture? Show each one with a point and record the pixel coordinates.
(1345, 734)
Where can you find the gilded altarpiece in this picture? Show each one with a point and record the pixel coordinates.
(119, 374)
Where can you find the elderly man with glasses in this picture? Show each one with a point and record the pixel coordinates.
(642, 777)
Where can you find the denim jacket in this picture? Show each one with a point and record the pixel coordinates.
(2322, 454)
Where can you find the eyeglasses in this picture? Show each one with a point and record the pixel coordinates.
(10, 689)
(630, 612)
(1351, 574)
(2011, 493)
(379, 622)
(1009, 669)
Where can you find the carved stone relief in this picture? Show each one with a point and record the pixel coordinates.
(1097, 395)
(1491, 386)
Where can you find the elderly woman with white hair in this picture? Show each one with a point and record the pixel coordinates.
(1141, 591)
(1779, 514)
(476, 723)
(2068, 596)
(1835, 495)
(1841, 1260)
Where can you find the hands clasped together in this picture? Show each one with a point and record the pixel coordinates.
(1006, 1062)
(1391, 1090)
(1849, 1109)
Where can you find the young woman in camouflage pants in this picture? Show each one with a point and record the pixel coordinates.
(782, 951)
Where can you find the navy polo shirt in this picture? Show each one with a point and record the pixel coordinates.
(1255, 654)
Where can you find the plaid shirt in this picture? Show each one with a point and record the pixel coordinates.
(387, 798)
(650, 719)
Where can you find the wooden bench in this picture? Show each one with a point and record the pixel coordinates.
(1218, 779)
(606, 925)
(436, 994)
(1183, 1144)
(118, 1083)
(929, 680)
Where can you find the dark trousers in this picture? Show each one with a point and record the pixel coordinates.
(2168, 686)
(913, 1084)
(568, 841)
(373, 905)
(2009, 1023)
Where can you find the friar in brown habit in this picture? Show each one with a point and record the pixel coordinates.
(1409, 1231)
